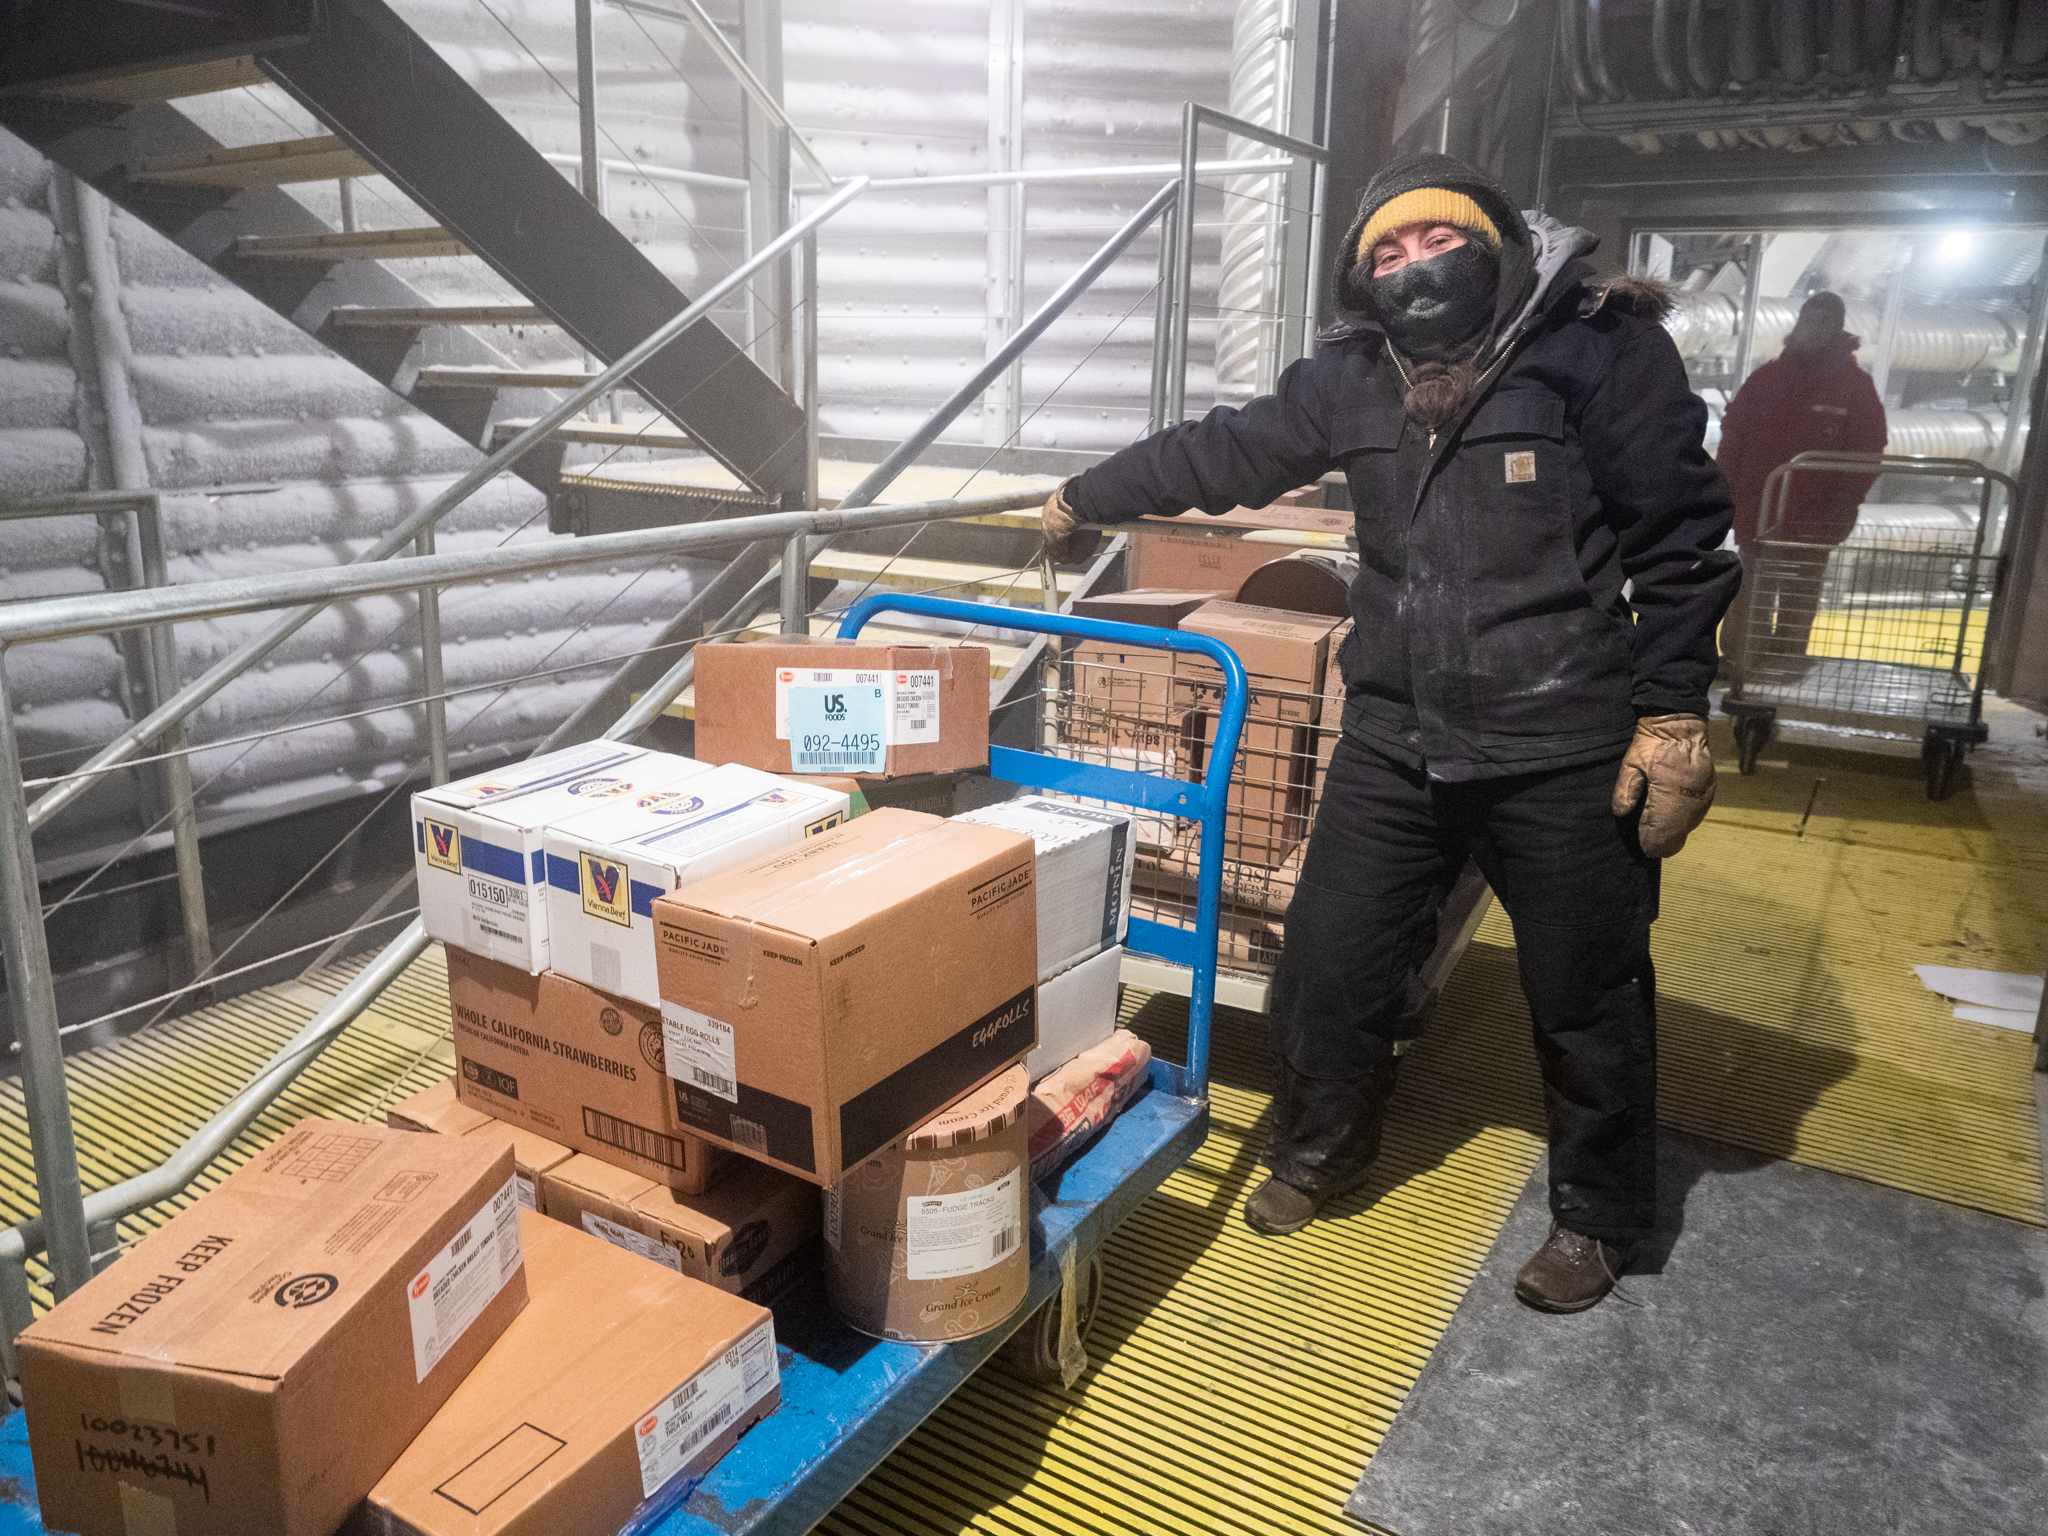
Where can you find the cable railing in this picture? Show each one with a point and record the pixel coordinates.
(68, 1219)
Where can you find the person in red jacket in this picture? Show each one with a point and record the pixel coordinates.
(1812, 396)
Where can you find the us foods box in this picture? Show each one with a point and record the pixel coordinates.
(573, 1065)
(619, 1386)
(821, 1001)
(258, 1362)
(439, 1111)
(606, 867)
(477, 842)
(843, 706)
(746, 1234)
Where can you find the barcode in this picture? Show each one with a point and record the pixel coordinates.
(1003, 1241)
(750, 1134)
(636, 1139)
(711, 1080)
(833, 759)
(704, 1431)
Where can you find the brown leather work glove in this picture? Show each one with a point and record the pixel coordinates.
(1669, 772)
(1067, 538)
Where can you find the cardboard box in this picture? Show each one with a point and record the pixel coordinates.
(1197, 552)
(1271, 784)
(258, 1362)
(1286, 655)
(902, 708)
(477, 842)
(1076, 1011)
(745, 1234)
(821, 1001)
(1254, 889)
(573, 1065)
(621, 1384)
(606, 867)
(1158, 607)
(439, 1110)
(1084, 858)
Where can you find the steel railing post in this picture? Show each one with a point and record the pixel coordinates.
(1183, 271)
(796, 582)
(1162, 319)
(590, 172)
(810, 382)
(32, 1007)
(431, 682)
(176, 765)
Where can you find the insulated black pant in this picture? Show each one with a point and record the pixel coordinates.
(1387, 844)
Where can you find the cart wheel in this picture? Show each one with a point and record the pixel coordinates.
(1942, 758)
(1033, 1351)
(1753, 732)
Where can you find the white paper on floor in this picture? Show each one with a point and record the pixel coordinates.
(2008, 999)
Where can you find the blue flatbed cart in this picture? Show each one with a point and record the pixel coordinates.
(848, 1399)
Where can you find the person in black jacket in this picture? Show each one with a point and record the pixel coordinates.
(1540, 577)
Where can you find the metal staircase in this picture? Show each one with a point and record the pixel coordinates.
(92, 84)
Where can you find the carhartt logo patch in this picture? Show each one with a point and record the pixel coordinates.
(1521, 468)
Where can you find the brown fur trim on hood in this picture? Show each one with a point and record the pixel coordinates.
(1647, 298)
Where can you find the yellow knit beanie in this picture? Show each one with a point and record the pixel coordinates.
(1427, 205)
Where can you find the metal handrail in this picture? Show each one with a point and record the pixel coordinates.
(66, 1217)
(228, 668)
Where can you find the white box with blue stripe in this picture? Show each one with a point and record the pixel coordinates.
(606, 867)
(477, 842)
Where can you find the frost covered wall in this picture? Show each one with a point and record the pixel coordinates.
(277, 456)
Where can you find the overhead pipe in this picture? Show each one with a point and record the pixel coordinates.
(1880, 36)
(1661, 48)
(1746, 46)
(1596, 54)
(1795, 40)
(1571, 34)
(1845, 36)
(1927, 39)
(1699, 64)
(1994, 35)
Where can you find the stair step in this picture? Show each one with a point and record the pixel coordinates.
(363, 317)
(614, 434)
(356, 245)
(167, 82)
(466, 377)
(324, 158)
(957, 577)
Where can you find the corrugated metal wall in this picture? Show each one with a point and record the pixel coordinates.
(283, 456)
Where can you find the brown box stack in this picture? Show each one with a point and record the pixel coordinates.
(619, 1379)
(822, 1001)
(262, 1359)
(1196, 552)
(940, 694)
(743, 1235)
(577, 1066)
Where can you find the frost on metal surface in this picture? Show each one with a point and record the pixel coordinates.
(277, 455)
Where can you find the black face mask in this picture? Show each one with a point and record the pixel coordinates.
(1432, 309)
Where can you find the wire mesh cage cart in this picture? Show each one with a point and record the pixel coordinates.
(1879, 635)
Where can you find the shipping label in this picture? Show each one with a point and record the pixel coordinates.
(633, 1242)
(463, 1278)
(909, 700)
(699, 1051)
(965, 1232)
(684, 1422)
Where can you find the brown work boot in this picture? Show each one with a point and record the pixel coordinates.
(1569, 1273)
(1278, 1209)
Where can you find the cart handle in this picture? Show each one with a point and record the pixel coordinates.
(1205, 801)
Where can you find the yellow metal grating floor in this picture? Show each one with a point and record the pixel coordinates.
(1241, 1384)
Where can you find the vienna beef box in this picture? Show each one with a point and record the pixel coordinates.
(261, 1360)
(819, 1002)
(572, 1064)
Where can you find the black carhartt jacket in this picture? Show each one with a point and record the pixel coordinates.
(1544, 574)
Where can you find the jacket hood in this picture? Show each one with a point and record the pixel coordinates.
(1536, 252)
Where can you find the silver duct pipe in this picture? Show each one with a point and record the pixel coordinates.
(1699, 63)
(1247, 323)
(1661, 49)
(1943, 434)
(1941, 338)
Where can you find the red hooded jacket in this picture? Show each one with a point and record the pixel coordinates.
(1798, 401)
